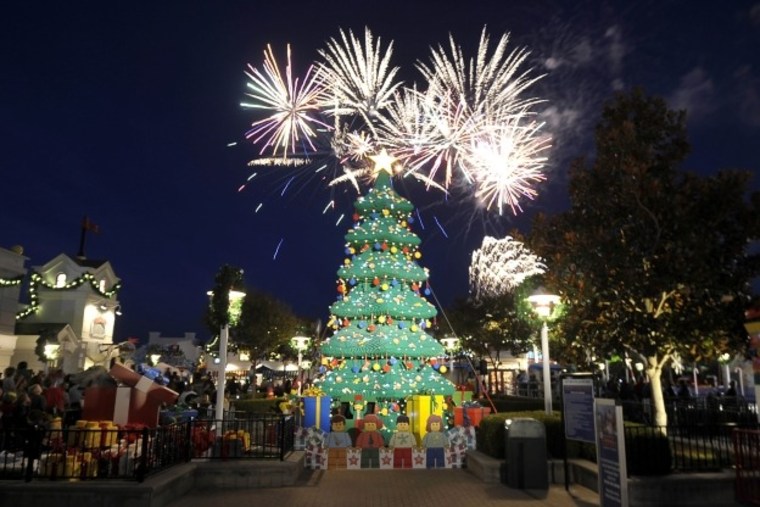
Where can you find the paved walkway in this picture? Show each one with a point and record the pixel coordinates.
(392, 488)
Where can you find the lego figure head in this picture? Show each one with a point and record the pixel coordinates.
(370, 423)
(434, 423)
(338, 423)
(402, 424)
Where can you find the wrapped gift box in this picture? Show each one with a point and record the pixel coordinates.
(315, 452)
(353, 458)
(470, 416)
(317, 412)
(137, 401)
(419, 458)
(461, 396)
(386, 458)
(421, 406)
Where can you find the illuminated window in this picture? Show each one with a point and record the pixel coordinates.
(60, 280)
(102, 285)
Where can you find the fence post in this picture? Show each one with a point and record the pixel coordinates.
(142, 470)
(189, 440)
(281, 429)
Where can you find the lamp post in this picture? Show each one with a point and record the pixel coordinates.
(300, 343)
(224, 335)
(451, 344)
(543, 304)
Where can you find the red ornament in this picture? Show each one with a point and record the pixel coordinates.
(356, 217)
(409, 365)
(376, 281)
(405, 249)
(389, 320)
(371, 328)
(341, 289)
(386, 368)
(346, 322)
(384, 246)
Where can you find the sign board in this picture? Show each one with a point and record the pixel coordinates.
(578, 407)
(610, 454)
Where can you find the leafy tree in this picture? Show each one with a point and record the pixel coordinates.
(649, 259)
(265, 325)
(492, 324)
(218, 312)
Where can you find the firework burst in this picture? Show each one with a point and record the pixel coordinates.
(501, 265)
(293, 107)
(472, 127)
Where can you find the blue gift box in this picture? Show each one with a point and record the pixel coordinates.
(316, 411)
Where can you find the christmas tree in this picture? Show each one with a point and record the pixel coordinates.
(381, 353)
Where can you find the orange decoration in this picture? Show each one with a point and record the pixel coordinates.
(341, 289)
(387, 368)
(345, 322)
(376, 281)
(371, 327)
(384, 246)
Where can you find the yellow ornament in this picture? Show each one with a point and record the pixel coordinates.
(346, 261)
(394, 250)
(417, 254)
(414, 328)
(403, 223)
(381, 319)
(385, 286)
(386, 212)
(443, 369)
(376, 367)
(352, 250)
(384, 411)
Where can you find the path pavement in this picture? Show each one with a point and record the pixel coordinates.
(391, 488)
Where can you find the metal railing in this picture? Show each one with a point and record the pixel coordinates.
(133, 454)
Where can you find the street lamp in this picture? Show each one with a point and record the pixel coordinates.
(451, 345)
(543, 304)
(300, 343)
(224, 335)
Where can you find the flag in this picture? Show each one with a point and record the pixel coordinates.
(88, 225)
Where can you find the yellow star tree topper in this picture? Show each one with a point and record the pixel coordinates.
(383, 162)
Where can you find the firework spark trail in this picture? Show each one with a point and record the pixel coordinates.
(440, 226)
(277, 250)
(330, 204)
(340, 218)
(285, 189)
(258, 207)
(419, 217)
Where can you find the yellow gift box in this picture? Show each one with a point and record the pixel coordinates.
(421, 406)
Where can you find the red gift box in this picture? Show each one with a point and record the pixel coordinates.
(138, 401)
(474, 414)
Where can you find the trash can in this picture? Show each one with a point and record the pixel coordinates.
(526, 461)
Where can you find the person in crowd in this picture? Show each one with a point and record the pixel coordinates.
(9, 380)
(55, 396)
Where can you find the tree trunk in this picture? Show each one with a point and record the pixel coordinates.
(654, 372)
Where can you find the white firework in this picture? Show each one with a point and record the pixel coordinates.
(293, 107)
(506, 163)
(472, 127)
(360, 77)
(499, 266)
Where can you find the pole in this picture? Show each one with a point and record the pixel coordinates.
(300, 359)
(219, 408)
(547, 372)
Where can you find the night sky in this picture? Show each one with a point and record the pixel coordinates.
(125, 112)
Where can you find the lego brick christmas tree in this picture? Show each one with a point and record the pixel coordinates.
(381, 351)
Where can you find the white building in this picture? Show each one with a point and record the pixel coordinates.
(72, 308)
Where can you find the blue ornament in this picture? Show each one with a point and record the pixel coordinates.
(401, 325)
(394, 282)
(410, 220)
(393, 361)
(355, 369)
(362, 324)
(378, 246)
(352, 281)
(427, 292)
(348, 250)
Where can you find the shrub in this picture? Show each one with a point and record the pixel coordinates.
(647, 452)
(259, 405)
(490, 437)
